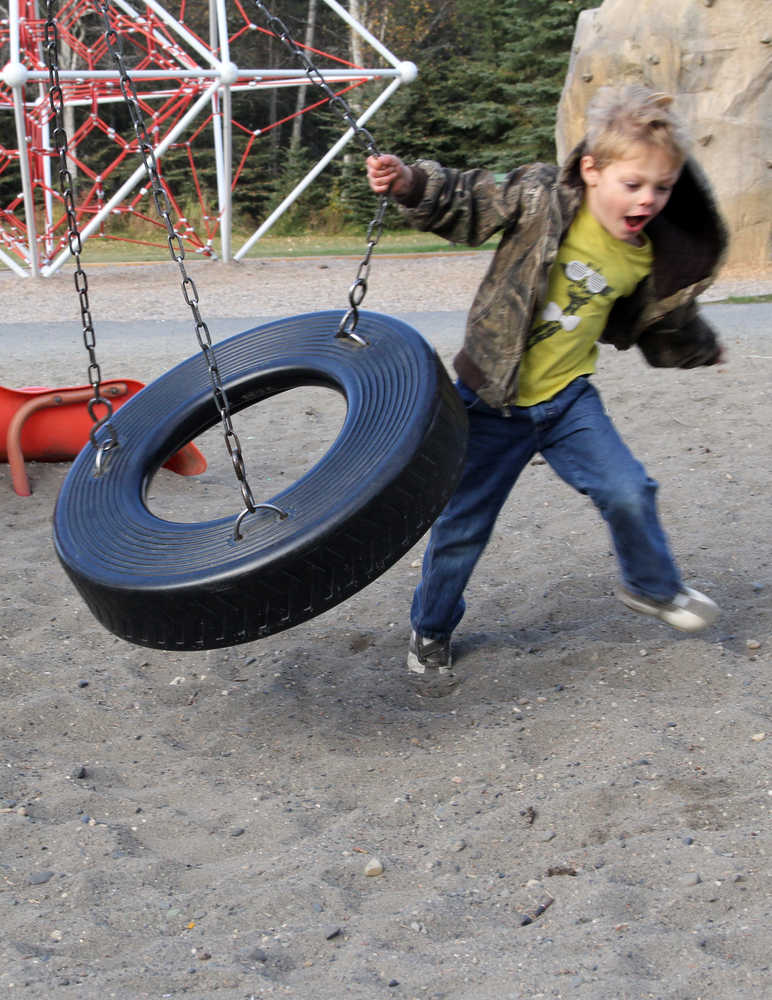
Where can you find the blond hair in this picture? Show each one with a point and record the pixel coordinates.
(619, 117)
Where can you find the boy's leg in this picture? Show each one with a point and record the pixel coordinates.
(498, 449)
(585, 449)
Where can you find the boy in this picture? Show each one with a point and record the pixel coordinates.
(615, 246)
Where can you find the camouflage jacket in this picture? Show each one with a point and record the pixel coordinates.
(533, 208)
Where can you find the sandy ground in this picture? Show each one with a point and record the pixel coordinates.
(585, 816)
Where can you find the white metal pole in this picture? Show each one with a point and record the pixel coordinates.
(229, 76)
(45, 131)
(217, 122)
(226, 209)
(14, 265)
(26, 179)
(217, 134)
(15, 75)
(290, 77)
(315, 171)
(48, 197)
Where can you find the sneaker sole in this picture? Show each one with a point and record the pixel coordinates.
(683, 620)
(415, 666)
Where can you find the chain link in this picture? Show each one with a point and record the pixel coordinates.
(358, 289)
(177, 253)
(106, 441)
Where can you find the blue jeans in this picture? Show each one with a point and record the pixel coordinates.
(576, 436)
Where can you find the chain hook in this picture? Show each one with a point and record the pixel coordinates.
(104, 451)
(250, 509)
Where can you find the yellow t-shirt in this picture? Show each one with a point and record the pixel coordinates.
(592, 270)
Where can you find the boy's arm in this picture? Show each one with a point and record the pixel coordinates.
(461, 206)
(681, 339)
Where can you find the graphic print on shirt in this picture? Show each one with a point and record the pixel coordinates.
(583, 284)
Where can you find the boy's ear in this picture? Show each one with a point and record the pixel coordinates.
(588, 171)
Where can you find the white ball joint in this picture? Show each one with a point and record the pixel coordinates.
(408, 71)
(229, 73)
(15, 74)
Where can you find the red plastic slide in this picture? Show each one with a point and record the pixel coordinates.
(52, 425)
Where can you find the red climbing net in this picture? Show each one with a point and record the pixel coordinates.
(172, 68)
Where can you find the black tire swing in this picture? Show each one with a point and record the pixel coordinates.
(376, 491)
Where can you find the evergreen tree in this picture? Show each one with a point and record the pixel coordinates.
(490, 79)
(536, 45)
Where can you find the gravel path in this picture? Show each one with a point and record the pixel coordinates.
(281, 287)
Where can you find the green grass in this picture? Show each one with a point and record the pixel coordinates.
(740, 300)
(355, 244)
(402, 241)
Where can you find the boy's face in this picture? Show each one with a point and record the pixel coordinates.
(626, 194)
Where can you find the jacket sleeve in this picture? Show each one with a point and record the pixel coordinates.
(681, 339)
(466, 206)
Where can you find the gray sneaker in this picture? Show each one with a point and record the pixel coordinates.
(689, 610)
(428, 656)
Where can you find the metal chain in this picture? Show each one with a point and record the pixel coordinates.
(109, 438)
(177, 252)
(358, 289)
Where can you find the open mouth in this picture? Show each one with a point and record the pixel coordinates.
(635, 223)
